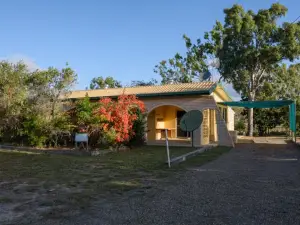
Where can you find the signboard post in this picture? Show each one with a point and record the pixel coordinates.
(167, 145)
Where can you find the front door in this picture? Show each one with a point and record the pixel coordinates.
(180, 133)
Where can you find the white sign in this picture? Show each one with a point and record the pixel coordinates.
(81, 137)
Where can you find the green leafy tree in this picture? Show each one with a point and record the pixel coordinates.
(84, 111)
(287, 87)
(185, 69)
(13, 95)
(102, 82)
(136, 83)
(52, 84)
(32, 107)
(86, 116)
(286, 82)
(266, 119)
(86, 119)
(240, 126)
(45, 117)
(139, 127)
(249, 45)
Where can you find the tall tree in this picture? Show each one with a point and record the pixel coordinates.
(31, 107)
(44, 117)
(136, 83)
(52, 84)
(285, 85)
(13, 95)
(266, 119)
(249, 45)
(185, 69)
(286, 82)
(104, 82)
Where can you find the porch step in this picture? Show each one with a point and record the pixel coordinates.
(184, 157)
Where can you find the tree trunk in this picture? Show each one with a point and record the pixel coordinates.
(250, 115)
(250, 122)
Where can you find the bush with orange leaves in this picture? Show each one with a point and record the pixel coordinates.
(118, 118)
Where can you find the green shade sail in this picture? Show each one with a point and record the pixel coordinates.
(268, 104)
(258, 104)
(293, 125)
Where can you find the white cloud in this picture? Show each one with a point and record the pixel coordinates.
(25, 59)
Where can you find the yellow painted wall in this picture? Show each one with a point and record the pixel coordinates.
(217, 97)
(167, 114)
(194, 102)
(205, 131)
(213, 125)
(230, 111)
(222, 94)
(160, 118)
(170, 117)
(230, 124)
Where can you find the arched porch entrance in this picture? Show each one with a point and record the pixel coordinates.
(166, 117)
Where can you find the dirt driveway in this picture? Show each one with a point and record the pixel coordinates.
(252, 184)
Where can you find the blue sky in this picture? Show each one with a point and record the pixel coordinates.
(123, 39)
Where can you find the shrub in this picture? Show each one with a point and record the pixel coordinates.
(139, 127)
(31, 104)
(240, 126)
(87, 118)
(118, 118)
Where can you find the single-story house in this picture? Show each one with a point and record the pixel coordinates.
(166, 104)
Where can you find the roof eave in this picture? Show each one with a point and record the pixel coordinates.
(224, 90)
(202, 92)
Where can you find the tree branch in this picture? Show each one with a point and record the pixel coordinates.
(258, 80)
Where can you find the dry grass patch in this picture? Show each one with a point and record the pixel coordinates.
(57, 185)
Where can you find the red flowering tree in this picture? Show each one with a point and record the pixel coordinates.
(118, 118)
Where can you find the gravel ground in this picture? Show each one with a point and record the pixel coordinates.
(252, 184)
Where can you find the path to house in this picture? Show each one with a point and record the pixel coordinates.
(253, 184)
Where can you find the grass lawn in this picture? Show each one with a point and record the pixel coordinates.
(55, 185)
